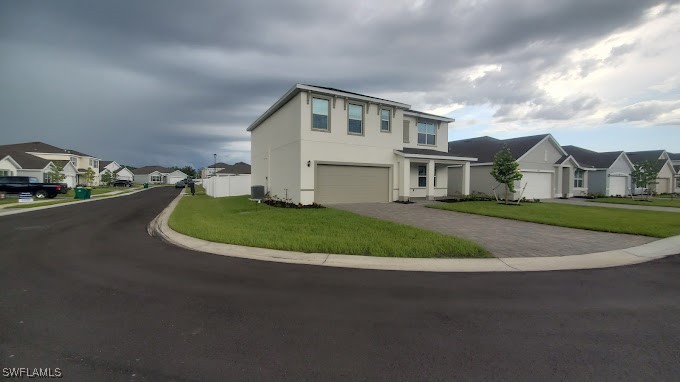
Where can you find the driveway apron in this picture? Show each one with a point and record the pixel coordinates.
(502, 237)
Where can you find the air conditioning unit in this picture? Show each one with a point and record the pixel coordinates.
(256, 192)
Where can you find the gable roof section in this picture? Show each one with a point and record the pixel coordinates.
(297, 88)
(674, 156)
(485, 148)
(104, 163)
(146, 170)
(592, 159)
(74, 152)
(26, 161)
(638, 157)
(10, 159)
(37, 147)
(236, 168)
(422, 114)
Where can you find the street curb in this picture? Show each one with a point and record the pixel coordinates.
(651, 251)
(13, 211)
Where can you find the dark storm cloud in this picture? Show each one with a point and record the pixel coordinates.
(172, 82)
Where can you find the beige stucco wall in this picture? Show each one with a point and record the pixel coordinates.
(542, 157)
(275, 152)
(481, 180)
(441, 142)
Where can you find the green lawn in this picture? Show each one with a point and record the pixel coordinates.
(236, 220)
(655, 201)
(8, 200)
(636, 222)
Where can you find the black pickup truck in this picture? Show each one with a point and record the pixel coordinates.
(19, 184)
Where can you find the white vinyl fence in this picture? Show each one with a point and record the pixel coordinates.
(229, 185)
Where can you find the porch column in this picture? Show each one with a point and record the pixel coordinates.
(570, 188)
(558, 183)
(405, 180)
(430, 180)
(465, 186)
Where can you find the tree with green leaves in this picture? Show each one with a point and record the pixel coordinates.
(56, 175)
(506, 170)
(107, 177)
(89, 176)
(644, 174)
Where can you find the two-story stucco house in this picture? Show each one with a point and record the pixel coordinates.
(324, 145)
(79, 162)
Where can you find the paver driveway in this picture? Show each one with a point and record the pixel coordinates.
(502, 237)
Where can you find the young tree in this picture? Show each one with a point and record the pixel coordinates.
(506, 171)
(644, 174)
(107, 177)
(89, 176)
(56, 175)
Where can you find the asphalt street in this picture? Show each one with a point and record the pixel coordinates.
(85, 289)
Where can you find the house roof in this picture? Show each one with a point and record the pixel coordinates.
(676, 168)
(423, 114)
(38, 147)
(297, 88)
(674, 156)
(74, 152)
(104, 163)
(236, 168)
(485, 148)
(592, 159)
(26, 161)
(149, 169)
(638, 157)
(218, 165)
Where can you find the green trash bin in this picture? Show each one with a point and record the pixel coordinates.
(82, 193)
(146, 185)
(88, 193)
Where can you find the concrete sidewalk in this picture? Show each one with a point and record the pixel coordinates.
(588, 203)
(651, 251)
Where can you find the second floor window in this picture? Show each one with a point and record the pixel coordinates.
(385, 120)
(427, 133)
(320, 111)
(578, 178)
(355, 119)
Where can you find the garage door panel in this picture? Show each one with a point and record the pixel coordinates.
(663, 185)
(617, 185)
(351, 184)
(538, 185)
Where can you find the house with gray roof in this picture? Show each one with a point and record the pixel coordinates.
(666, 181)
(604, 173)
(319, 144)
(157, 175)
(547, 170)
(18, 163)
(80, 161)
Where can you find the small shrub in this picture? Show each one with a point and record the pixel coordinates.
(274, 201)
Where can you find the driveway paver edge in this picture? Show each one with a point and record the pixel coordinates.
(629, 256)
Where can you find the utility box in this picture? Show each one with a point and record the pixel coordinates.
(257, 192)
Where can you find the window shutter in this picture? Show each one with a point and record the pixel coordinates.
(406, 131)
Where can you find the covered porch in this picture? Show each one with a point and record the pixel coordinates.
(423, 173)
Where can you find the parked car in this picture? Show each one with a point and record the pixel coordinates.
(181, 184)
(19, 184)
(121, 183)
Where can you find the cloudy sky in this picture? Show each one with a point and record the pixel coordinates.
(172, 82)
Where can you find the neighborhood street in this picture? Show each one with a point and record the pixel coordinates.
(85, 289)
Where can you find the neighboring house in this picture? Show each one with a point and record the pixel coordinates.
(212, 169)
(675, 161)
(666, 173)
(238, 168)
(18, 163)
(80, 161)
(157, 175)
(69, 171)
(605, 173)
(547, 170)
(325, 145)
(117, 171)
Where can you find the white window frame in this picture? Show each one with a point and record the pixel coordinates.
(361, 106)
(155, 178)
(423, 176)
(578, 178)
(425, 123)
(389, 120)
(5, 172)
(328, 113)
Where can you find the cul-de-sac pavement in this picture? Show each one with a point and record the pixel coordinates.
(86, 289)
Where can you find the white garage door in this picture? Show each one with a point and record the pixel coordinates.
(172, 179)
(663, 186)
(617, 185)
(351, 184)
(538, 185)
